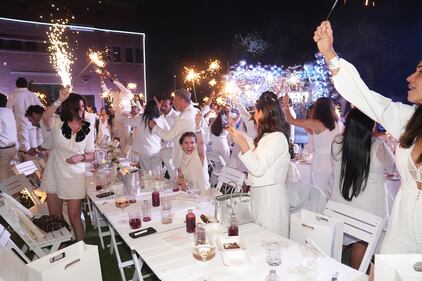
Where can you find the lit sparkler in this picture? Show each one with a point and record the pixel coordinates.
(214, 66)
(132, 86)
(97, 59)
(212, 82)
(193, 77)
(60, 55)
(42, 98)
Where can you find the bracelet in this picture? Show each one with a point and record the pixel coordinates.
(57, 103)
(199, 131)
(334, 63)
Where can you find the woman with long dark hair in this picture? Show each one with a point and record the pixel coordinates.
(359, 162)
(72, 145)
(403, 122)
(267, 159)
(218, 135)
(325, 126)
(146, 144)
(105, 127)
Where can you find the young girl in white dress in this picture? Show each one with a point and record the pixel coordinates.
(193, 171)
(267, 160)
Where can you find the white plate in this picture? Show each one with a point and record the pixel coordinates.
(235, 258)
(231, 239)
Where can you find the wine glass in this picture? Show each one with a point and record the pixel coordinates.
(122, 201)
(203, 249)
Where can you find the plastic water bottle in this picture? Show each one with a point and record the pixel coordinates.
(272, 276)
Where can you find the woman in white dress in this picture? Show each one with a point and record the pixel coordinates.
(72, 145)
(359, 162)
(193, 171)
(325, 126)
(403, 122)
(146, 144)
(267, 159)
(218, 136)
(105, 127)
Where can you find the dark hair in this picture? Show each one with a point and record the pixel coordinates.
(35, 108)
(413, 131)
(273, 119)
(71, 107)
(185, 135)
(324, 111)
(356, 153)
(3, 100)
(110, 117)
(21, 82)
(183, 94)
(151, 111)
(217, 126)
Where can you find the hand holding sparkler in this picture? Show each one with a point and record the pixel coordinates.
(324, 38)
(64, 93)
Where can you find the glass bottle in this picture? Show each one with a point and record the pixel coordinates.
(233, 225)
(155, 197)
(146, 211)
(272, 276)
(190, 221)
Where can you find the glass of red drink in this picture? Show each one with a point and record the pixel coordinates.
(135, 219)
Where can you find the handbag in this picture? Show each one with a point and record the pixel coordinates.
(238, 203)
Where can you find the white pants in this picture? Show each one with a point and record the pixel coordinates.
(166, 157)
(124, 134)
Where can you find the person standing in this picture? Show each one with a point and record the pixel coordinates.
(267, 160)
(8, 138)
(403, 122)
(183, 123)
(167, 111)
(19, 101)
(72, 145)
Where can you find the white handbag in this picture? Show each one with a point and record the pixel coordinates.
(76, 262)
(325, 232)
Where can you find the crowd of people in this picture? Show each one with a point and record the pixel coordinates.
(348, 165)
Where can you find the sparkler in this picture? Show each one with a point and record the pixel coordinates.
(60, 55)
(97, 59)
(132, 86)
(332, 8)
(42, 98)
(212, 82)
(214, 66)
(193, 77)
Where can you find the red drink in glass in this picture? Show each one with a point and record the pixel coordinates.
(98, 187)
(155, 198)
(135, 223)
(190, 221)
(146, 219)
(233, 230)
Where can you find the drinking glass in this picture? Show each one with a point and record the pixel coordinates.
(203, 249)
(135, 220)
(273, 253)
(122, 201)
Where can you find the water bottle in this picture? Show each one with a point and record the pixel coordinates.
(272, 276)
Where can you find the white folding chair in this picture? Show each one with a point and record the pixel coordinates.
(5, 241)
(305, 196)
(33, 170)
(15, 184)
(42, 246)
(231, 176)
(360, 224)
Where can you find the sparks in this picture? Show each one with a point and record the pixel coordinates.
(97, 59)
(60, 55)
(214, 66)
(191, 75)
(42, 98)
(132, 86)
(212, 83)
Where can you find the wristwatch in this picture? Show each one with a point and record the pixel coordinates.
(333, 63)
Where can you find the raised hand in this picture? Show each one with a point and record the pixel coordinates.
(324, 38)
(64, 93)
(198, 119)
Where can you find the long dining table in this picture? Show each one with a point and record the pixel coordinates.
(168, 252)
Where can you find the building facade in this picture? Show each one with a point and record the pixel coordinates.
(24, 53)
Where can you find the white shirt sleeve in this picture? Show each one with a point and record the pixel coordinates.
(170, 135)
(391, 115)
(258, 160)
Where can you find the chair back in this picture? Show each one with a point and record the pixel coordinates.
(231, 176)
(305, 196)
(215, 160)
(360, 224)
(15, 184)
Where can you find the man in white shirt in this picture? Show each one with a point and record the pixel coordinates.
(122, 105)
(166, 106)
(185, 122)
(8, 137)
(19, 101)
(34, 115)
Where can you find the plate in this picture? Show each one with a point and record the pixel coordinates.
(235, 258)
(230, 243)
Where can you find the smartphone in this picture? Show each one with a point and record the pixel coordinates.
(105, 194)
(142, 232)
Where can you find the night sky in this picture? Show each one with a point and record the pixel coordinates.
(384, 41)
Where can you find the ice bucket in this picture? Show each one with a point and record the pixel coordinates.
(132, 178)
